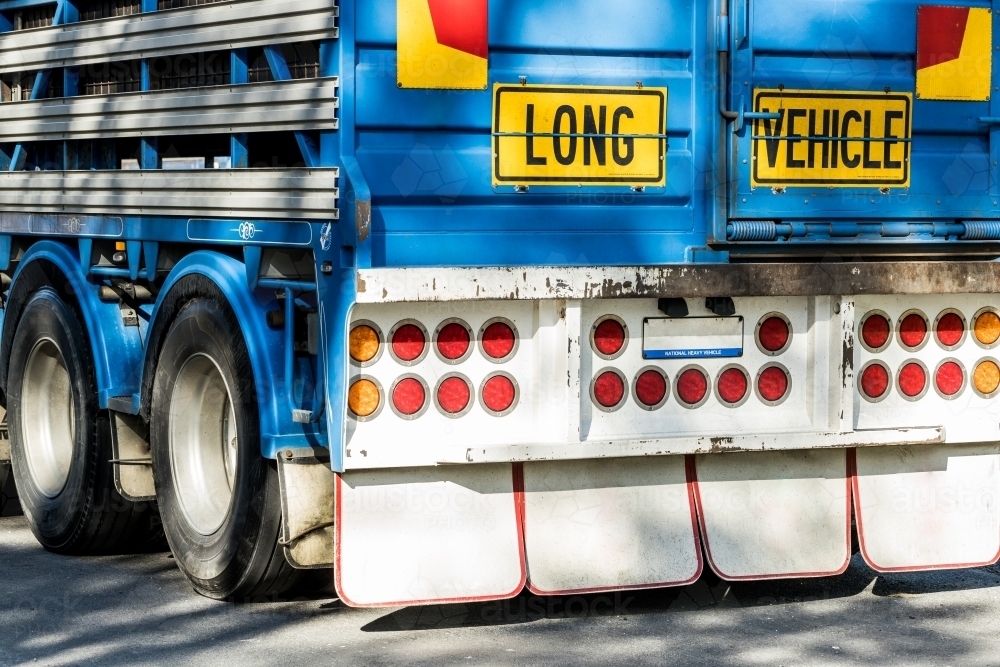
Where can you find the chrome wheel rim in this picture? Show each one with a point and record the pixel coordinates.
(203, 444)
(48, 428)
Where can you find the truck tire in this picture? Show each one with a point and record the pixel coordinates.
(218, 496)
(61, 441)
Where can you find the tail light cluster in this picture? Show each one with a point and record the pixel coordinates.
(692, 386)
(913, 331)
(453, 341)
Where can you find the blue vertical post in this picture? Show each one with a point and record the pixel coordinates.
(239, 73)
(149, 153)
(6, 22)
(71, 88)
(149, 6)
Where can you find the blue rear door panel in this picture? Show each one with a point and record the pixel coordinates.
(861, 46)
(427, 153)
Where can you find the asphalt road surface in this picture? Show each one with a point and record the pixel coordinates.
(135, 610)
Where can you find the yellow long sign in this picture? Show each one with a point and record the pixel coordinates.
(832, 138)
(579, 135)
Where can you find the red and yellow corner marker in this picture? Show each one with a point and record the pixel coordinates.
(442, 44)
(954, 60)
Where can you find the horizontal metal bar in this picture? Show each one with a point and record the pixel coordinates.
(761, 115)
(223, 25)
(309, 194)
(571, 135)
(821, 139)
(297, 285)
(692, 445)
(989, 120)
(110, 271)
(132, 462)
(678, 280)
(305, 104)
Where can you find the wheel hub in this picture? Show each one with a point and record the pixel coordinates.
(203, 444)
(48, 418)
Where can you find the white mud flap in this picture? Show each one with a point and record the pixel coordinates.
(428, 535)
(928, 507)
(769, 515)
(609, 524)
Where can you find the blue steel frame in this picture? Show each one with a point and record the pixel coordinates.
(285, 383)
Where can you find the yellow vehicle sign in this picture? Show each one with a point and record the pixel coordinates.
(832, 138)
(579, 135)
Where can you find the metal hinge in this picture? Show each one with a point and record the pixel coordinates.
(129, 317)
(722, 33)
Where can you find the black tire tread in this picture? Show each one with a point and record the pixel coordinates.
(266, 573)
(112, 524)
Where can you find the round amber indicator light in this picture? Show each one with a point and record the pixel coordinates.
(364, 343)
(363, 398)
(987, 328)
(986, 379)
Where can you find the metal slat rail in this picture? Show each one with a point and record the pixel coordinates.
(258, 107)
(306, 194)
(226, 25)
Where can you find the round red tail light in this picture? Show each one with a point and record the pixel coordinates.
(608, 337)
(608, 389)
(692, 387)
(949, 378)
(732, 386)
(950, 329)
(773, 334)
(875, 331)
(650, 388)
(498, 340)
(874, 381)
(453, 342)
(409, 343)
(409, 397)
(499, 394)
(772, 384)
(912, 380)
(913, 331)
(454, 396)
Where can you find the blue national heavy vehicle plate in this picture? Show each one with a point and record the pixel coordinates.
(692, 337)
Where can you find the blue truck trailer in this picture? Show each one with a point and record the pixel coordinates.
(458, 297)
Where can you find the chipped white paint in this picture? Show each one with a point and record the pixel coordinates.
(694, 445)
(775, 514)
(933, 507)
(593, 525)
(420, 536)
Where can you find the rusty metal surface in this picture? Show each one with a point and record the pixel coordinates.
(734, 280)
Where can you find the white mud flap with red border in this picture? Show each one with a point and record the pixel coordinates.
(771, 515)
(429, 535)
(928, 507)
(609, 524)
